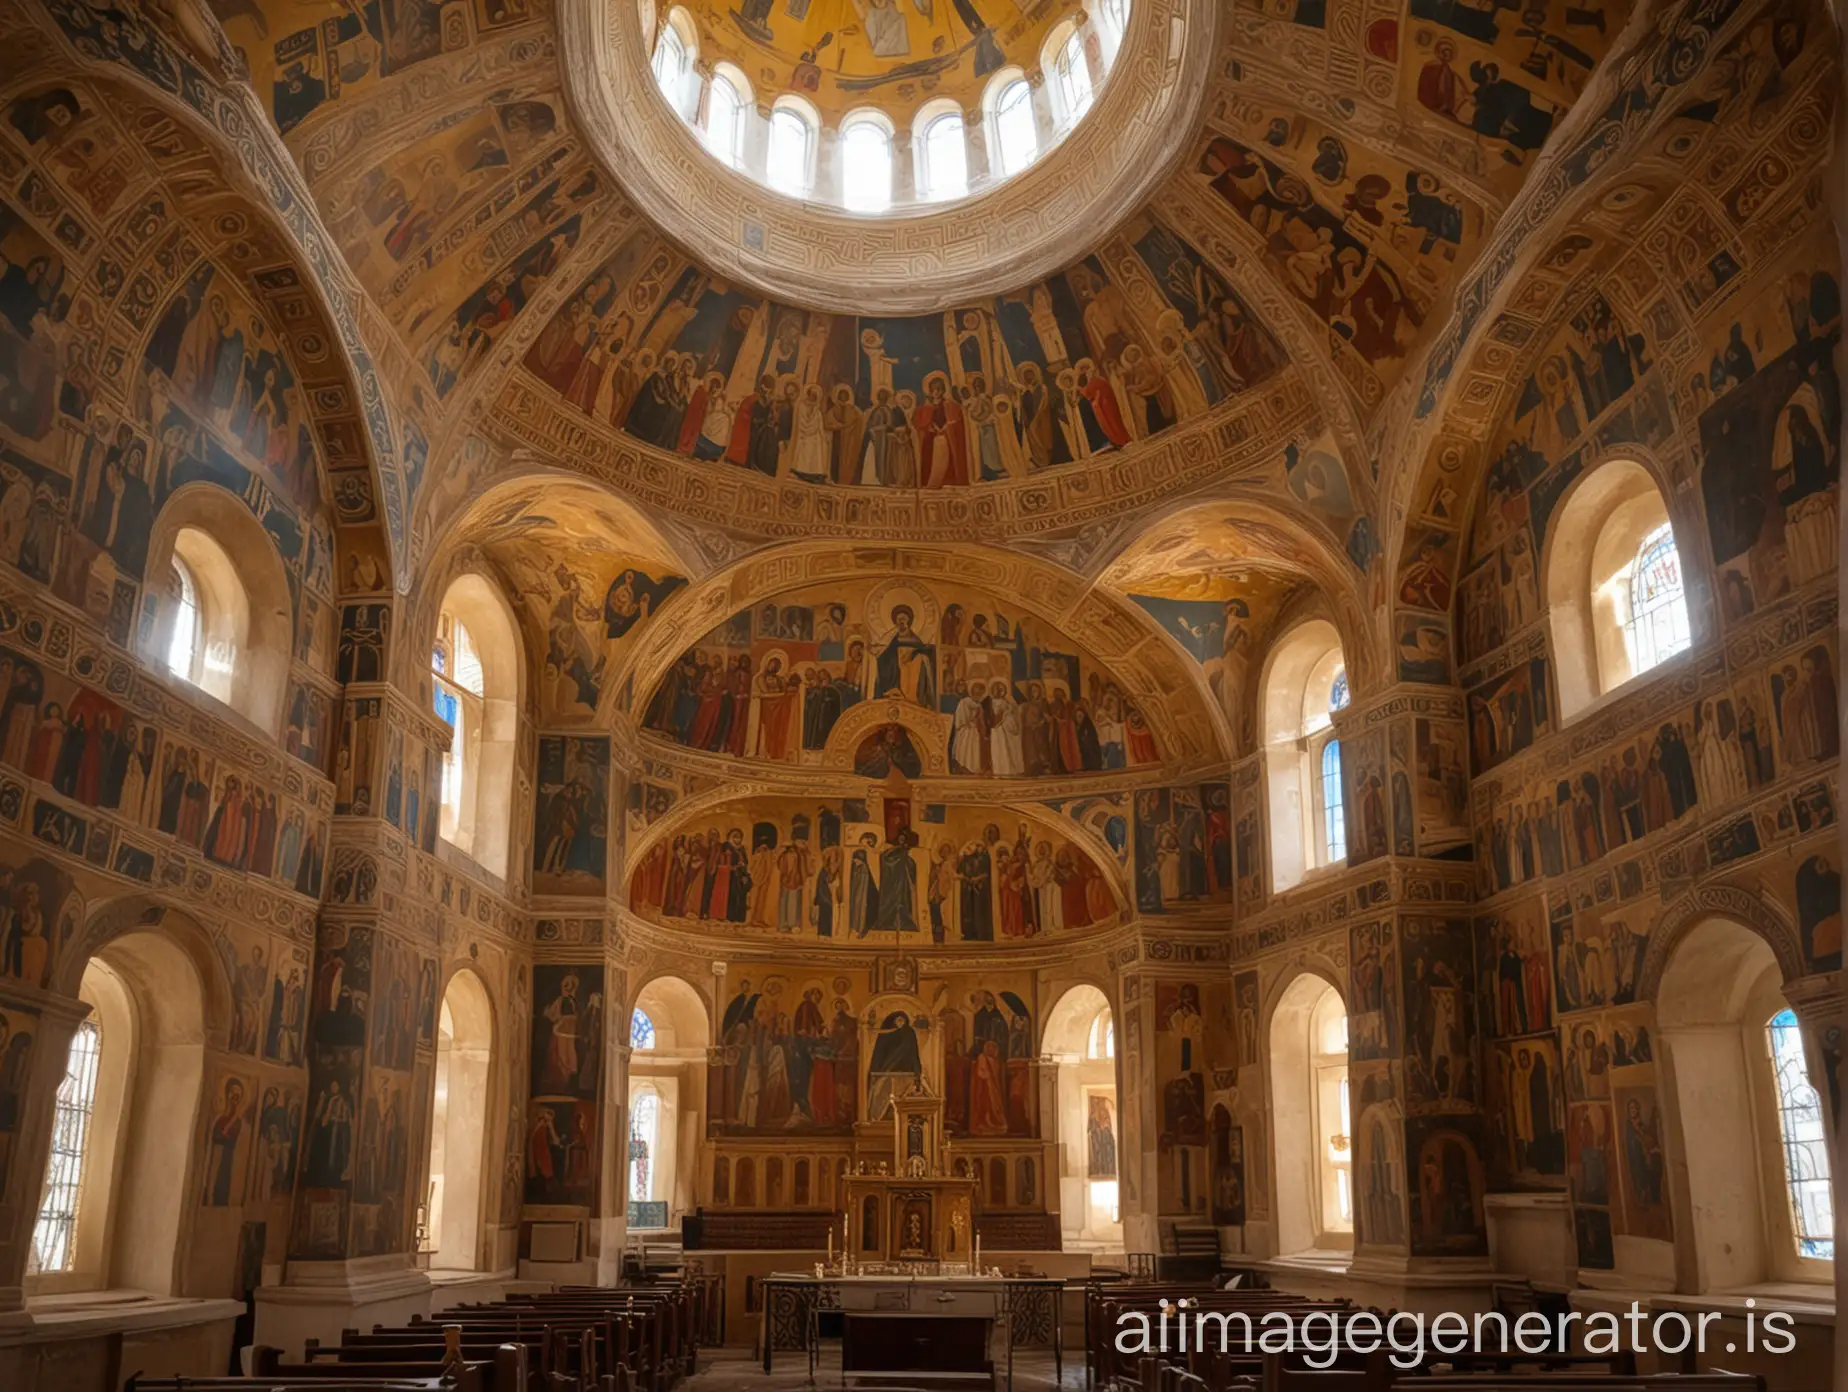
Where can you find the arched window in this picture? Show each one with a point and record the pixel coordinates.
(1312, 1133)
(1657, 625)
(644, 1120)
(186, 653)
(1305, 683)
(1069, 72)
(675, 48)
(459, 1125)
(1614, 587)
(220, 616)
(1014, 138)
(1737, 1096)
(1113, 21)
(1805, 1147)
(54, 1235)
(460, 700)
(789, 165)
(1080, 1036)
(866, 162)
(727, 96)
(212, 618)
(641, 1031)
(475, 687)
(943, 155)
(669, 1032)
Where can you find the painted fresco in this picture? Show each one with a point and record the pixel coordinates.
(848, 870)
(18, 1029)
(1221, 621)
(990, 1055)
(874, 53)
(583, 602)
(990, 690)
(571, 815)
(1117, 348)
(1183, 847)
(1359, 238)
(568, 1034)
(39, 910)
(791, 1053)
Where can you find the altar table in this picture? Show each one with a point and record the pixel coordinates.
(1028, 1310)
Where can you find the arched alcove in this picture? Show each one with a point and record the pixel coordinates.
(1304, 681)
(1737, 1096)
(1310, 1131)
(120, 1179)
(1614, 590)
(669, 1030)
(1080, 1038)
(459, 1130)
(216, 611)
(477, 670)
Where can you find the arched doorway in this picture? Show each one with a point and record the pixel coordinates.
(1081, 1039)
(459, 1124)
(1736, 1081)
(1311, 1134)
(668, 1035)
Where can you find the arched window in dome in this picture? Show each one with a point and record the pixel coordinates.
(1069, 72)
(790, 163)
(1014, 138)
(943, 153)
(676, 46)
(727, 98)
(866, 162)
(1113, 21)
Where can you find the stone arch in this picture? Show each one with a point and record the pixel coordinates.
(1757, 911)
(209, 111)
(131, 913)
(1298, 1180)
(1115, 633)
(179, 1009)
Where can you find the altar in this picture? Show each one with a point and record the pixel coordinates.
(887, 1317)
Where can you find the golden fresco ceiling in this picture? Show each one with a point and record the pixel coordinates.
(1264, 384)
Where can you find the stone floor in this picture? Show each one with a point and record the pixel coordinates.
(736, 1370)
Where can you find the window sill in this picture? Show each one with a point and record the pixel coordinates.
(94, 1314)
(1629, 686)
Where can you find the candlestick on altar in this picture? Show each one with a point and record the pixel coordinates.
(830, 1242)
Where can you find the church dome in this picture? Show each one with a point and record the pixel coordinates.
(885, 156)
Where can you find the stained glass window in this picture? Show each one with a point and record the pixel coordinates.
(1806, 1153)
(54, 1237)
(1338, 693)
(1657, 627)
(641, 1031)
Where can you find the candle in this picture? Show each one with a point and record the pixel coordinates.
(830, 1242)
